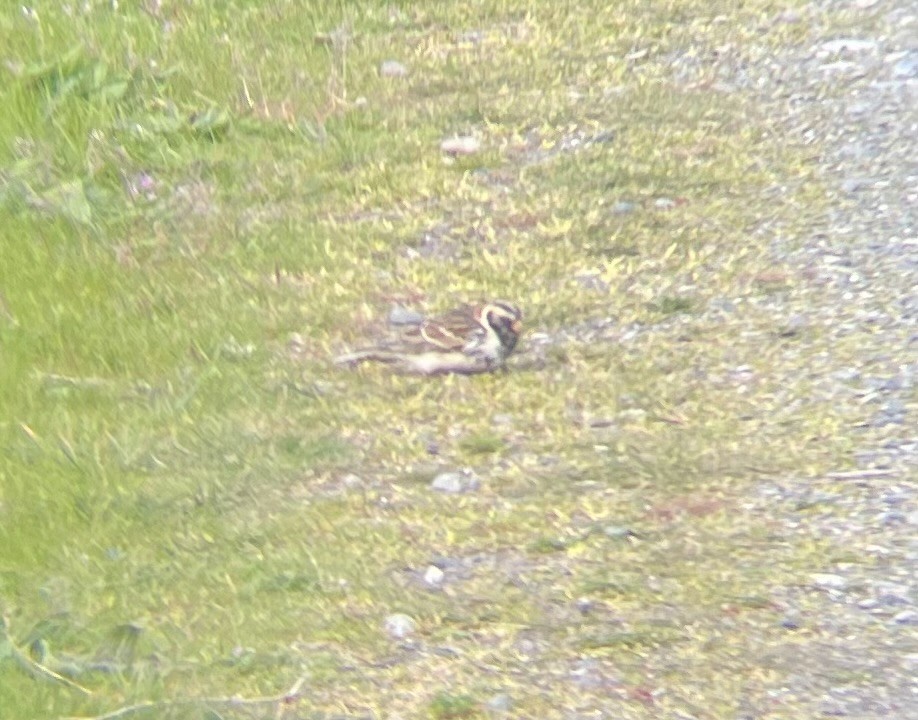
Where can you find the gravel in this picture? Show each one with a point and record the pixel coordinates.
(853, 95)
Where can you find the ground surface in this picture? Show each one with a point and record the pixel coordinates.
(693, 495)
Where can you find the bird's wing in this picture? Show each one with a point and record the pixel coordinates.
(449, 332)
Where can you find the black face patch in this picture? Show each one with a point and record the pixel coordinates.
(503, 326)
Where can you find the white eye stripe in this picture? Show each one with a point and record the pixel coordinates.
(503, 309)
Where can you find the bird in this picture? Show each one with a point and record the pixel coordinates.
(467, 340)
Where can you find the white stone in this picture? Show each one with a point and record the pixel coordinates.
(464, 145)
(434, 576)
(400, 625)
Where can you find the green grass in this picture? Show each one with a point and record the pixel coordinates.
(184, 187)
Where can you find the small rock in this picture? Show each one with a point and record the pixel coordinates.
(392, 68)
(847, 374)
(445, 562)
(464, 145)
(790, 623)
(500, 703)
(852, 185)
(788, 17)
(891, 594)
(894, 406)
(849, 45)
(742, 373)
(603, 137)
(400, 315)
(842, 66)
(892, 518)
(631, 415)
(400, 626)
(352, 481)
(723, 304)
(447, 651)
(617, 532)
(434, 576)
(830, 581)
(456, 482)
(664, 203)
(794, 326)
(892, 384)
(587, 673)
(321, 387)
(906, 67)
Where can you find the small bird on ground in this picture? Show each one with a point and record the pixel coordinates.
(468, 340)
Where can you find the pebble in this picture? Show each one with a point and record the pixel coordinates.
(352, 481)
(400, 626)
(849, 45)
(790, 623)
(789, 17)
(434, 576)
(456, 482)
(605, 136)
(906, 68)
(839, 67)
(852, 185)
(892, 593)
(617, 532)
(795, 325)
(463, 145)
(829, 581)
(587, 673)
(392, 68)
(499, 703)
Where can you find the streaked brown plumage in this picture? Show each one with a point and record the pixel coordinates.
(468, 340)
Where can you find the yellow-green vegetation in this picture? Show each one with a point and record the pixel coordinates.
(203, 201)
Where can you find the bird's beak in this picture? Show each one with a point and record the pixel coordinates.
(517, 326)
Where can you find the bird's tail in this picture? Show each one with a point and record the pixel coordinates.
(355, 358)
